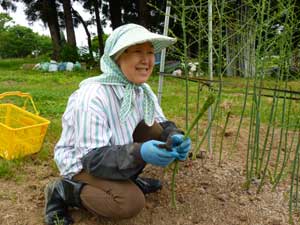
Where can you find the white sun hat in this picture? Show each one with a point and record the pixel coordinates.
(132, 34)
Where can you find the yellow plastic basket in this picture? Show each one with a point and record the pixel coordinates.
(21, 132)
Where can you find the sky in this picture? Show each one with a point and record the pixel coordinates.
(19, 17)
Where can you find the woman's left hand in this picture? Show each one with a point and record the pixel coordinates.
(181, 145)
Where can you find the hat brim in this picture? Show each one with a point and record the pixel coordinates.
(158, 41)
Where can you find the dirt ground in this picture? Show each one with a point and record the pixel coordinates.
(207, 194)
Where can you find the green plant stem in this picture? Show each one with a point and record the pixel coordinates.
(281, 134)
(295, 161)
(197, 107)
(286, 158)
(249, 160)
(175, 171)
(209, 101)
(242, 113)
(197, 149)
(223, 134)
(270, 124)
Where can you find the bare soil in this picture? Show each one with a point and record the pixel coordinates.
(207, 194)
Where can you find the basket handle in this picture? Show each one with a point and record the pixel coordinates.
(23, 95)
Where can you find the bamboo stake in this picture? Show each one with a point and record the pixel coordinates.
(163, 53)
(183, 25)
(199, 14)
(210, 67)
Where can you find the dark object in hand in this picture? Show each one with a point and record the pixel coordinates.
(167, 145)
(160, 132)
(143, 132)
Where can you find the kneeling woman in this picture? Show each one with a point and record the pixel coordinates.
(112, 127)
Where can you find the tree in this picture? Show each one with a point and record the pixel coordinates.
(111, 10)
(137, 11)
(93, 6)
(4, 19)
(85, 24)
(43, 45)
(49, 16)
(97, 5)
(17, 41)
(71, 39)
(47, 12)
(143, 13)
(8, 4)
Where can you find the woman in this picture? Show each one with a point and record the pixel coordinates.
(112, 127)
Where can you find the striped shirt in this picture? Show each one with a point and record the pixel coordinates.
(91, 120)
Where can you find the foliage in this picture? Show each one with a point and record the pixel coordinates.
(69, 53)
(19, 41)
(43, 45)
(85, 56)
(95, 44)
(4, 19)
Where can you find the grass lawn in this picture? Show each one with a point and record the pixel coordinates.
(50, 92)
(220, 183)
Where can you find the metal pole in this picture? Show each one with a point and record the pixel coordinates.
(210, 69)
(163, 53)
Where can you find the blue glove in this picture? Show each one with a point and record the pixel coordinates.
(176, 139)
(157, 156)
(183, 148)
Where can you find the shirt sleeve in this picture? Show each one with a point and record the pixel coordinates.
(86, 132)
(84, 127)
(117, 162)
(100, 158)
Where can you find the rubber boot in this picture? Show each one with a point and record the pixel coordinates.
(60, 195)
(148, 185)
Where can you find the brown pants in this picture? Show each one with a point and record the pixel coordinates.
(113, 199)
(116, 199)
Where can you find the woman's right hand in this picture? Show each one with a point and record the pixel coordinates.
(153, 154)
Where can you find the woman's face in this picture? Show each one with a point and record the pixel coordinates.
(137, 62)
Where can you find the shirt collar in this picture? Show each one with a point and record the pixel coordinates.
(119, 90)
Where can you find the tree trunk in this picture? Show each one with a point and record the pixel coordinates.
(229, 67)
(78, 16)
(51, 18)
(99, 27)
(247, 43)
(143, 13)
(71, 39)
(242, 43)
(115, 13)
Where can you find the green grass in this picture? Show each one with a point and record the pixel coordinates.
(16, 64)
(8, 169)
(173, 100)
(50, 92)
